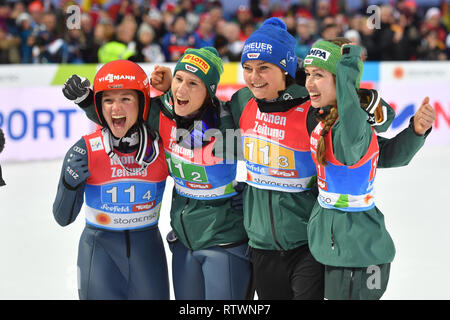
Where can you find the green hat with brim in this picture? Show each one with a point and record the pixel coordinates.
(325, 54)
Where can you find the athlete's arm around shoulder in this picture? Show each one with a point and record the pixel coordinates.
(237, 104)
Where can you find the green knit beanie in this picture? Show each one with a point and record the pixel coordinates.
(325, 54)
(205, 63)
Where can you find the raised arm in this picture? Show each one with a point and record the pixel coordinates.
(351, 133)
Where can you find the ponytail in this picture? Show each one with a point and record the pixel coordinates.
(328, 122)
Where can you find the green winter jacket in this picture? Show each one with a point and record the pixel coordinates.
(198, 224)
(274, 220)
(357, 239)
(277, 220)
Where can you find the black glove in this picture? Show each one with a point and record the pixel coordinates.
(76, 88)
(2, 140)
(76, 169)
(2, 145)
(371, 103)
(237, 202)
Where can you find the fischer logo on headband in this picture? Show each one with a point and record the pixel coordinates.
(196, 61)
(319, 53)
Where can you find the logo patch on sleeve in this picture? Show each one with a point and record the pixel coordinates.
(96, 144)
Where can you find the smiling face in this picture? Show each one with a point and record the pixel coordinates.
(189, 93)
(120, 109)
(321, 86)
(264, 79)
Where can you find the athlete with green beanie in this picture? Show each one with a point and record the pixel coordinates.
(346, 231)
(208, 240)
(274, 116)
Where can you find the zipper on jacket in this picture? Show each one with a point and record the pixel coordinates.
(332, 234)
(273, 224)
(127, 242)
(182, 225)
(350, 290)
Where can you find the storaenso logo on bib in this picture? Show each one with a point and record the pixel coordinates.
(319, 53)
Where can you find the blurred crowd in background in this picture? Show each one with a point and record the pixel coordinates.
(98, 31)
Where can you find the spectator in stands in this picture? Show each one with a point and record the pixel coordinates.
(154, 19)
(246, 30)
(103, 33)
(432, 21)
(232, 33)
(147, 49)
(221, 44)
(409, 27)
(49, 47)
(354, 36)
(291, 24)
(74, 40)
(36, 10)
(186, 8)
(404, 26)
(123, 46)
(24, 23)
(216, 12)
(367, 39)
(9, 52)
(329, 28)
(431, 47)
(243, 15)
(178, 40)
(385, 37)
(305, 37)
(88, 48)
(322, 10)
(205, 33)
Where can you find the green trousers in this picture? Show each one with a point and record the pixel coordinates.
(367, 283)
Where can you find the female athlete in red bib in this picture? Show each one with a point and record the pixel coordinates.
(121, 173)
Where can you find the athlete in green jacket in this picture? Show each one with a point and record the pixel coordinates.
(346, 230)
(280, 196)
(209, 242)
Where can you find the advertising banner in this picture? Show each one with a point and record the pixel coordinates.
(405, 85)
(40, 123)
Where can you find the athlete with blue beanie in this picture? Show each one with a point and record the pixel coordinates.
(276, 120)
(121, 173)
(208, 241)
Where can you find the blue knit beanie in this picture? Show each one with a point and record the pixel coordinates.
(272, 43)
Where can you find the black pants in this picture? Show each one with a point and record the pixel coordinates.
(287, 275)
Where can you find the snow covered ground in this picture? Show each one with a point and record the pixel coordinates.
(39, 257)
